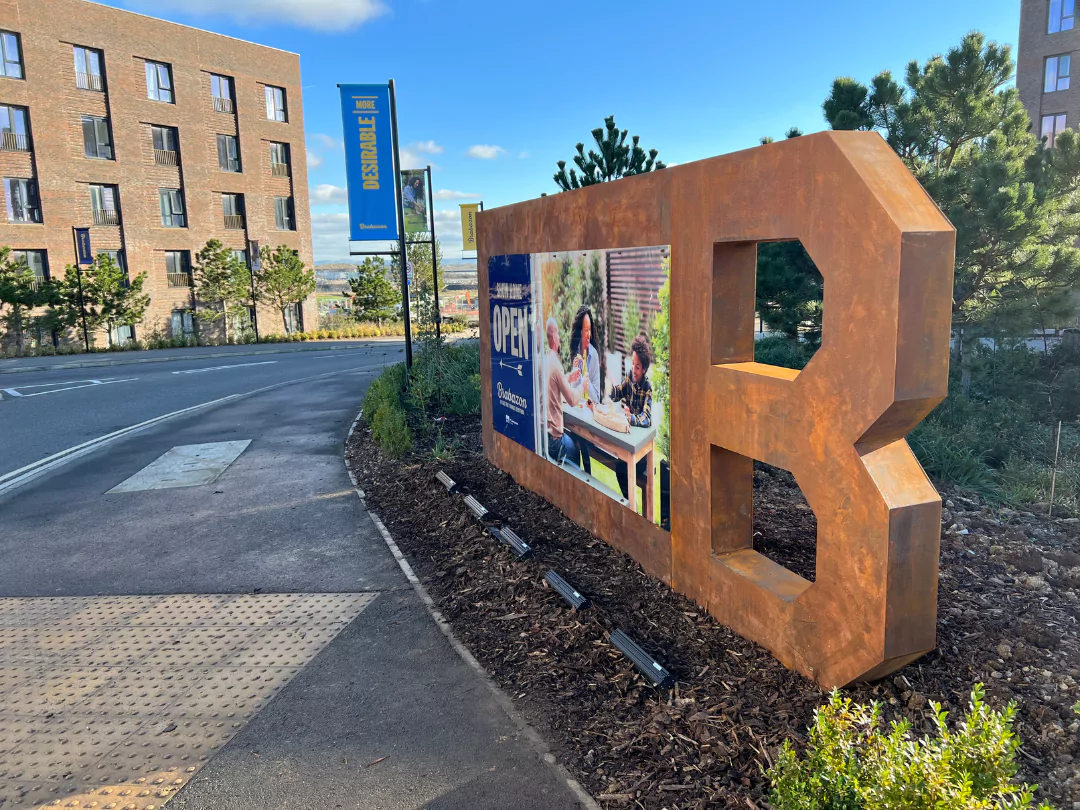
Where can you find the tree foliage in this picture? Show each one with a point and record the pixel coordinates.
(422, 289)
(374, 297)
(616, 158)
(20, 294)
(789, 290)
(966, 136)
(283, 280)
(109, 298)
(223, 283)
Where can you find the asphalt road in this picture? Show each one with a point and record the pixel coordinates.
(44, 412)
(387, 715)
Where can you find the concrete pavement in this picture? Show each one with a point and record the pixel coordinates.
(386, 715)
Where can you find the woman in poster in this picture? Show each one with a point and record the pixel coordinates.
(586, 360)
(412, 196)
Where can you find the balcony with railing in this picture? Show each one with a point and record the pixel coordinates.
(279, 169)
(179, 279)
(15, 142)
(166, 157)
(223, 105)
(103, 216)
(89, 81)
(234, 222)
(37, 283)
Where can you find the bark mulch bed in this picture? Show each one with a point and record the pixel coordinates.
(1008, 612)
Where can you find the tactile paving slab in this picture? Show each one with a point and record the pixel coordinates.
(116, 702)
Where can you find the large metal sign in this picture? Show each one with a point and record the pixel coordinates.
(886, 254)
(369, 162)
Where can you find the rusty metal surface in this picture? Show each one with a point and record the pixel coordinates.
(886, 254)
(116, 702)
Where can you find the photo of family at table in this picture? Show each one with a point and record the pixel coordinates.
(602, 389)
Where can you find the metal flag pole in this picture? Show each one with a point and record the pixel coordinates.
(78, 278)
(254, 265)
(401, 231)
(434, 258)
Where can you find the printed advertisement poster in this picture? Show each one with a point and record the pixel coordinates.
(600, 354)
(414, 200)
(365, 117)
(513, 382)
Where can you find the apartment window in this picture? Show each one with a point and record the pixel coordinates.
(1057, 73)
(283, 213)
(1052, 126)
(172, 208)
(232, 206)
(294, 318)
(275, 103)
(14, 129)
(97, 142)
(105, 202)
(228, 153)
(221, 88)
(178, 268)
(1062, 15)
(11, 64)
(22, 200)
(279, 159)
(165, 140)
(159, 85)
(117, 256)
(36, 260)
(241, 256)
(88, 64)
(183, 325)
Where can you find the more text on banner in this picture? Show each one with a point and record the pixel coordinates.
(512, 391)
(468, 225)
(369, 162)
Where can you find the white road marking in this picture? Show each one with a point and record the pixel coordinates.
(187, 465)
(14, 392)
(218, 368)
(24, 475)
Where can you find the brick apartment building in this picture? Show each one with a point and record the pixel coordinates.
(154, 135)
(1049, 36)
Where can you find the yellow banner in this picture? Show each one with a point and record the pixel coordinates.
(468, 226)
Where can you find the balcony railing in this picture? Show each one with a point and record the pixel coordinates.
(279, 169)
(25, 214)
(89, 81)
(38, 281)
(106, 217)
(234, 222)
(166, 157)
(179, 279)
(224, 105)
(15, 142)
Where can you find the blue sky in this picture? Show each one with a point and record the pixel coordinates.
(493, 92)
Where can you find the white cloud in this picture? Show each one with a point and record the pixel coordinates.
(447, 194)
(428, 147)
(328, 141)
(320, 15)
(483, 151)
(330, 235)
(523, 155)
(314, 159)
(327, 193)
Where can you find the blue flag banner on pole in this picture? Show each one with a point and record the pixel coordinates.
(369, 162)
(82, 244)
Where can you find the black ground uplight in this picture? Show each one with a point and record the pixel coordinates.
(509, 536)
(644, 662)
(447, 481)
(566, 591)
(476, 507)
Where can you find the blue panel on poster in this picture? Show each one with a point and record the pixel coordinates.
(512, 407)
(369, 162)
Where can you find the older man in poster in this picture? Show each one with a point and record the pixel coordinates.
(558, 386)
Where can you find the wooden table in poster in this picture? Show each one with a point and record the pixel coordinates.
(628, 447)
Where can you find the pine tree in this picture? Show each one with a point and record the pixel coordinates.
(283, 279)
(20, 293)
(422, 290)
(222, 282)
(110, 299)
(374, 297)
(616, 159)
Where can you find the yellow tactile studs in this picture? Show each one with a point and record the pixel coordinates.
(114, 703)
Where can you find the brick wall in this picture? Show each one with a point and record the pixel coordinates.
(1035, 44)
(48, 30)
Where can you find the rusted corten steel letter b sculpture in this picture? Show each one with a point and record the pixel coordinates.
(885, 252)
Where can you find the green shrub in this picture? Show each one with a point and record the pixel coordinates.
(851, 763)
(782, 351)
(391, 431)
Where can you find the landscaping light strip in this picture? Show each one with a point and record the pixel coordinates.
(446, 481)
(520, 547)
(645, 664)
(566, 591)
(475, 507)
